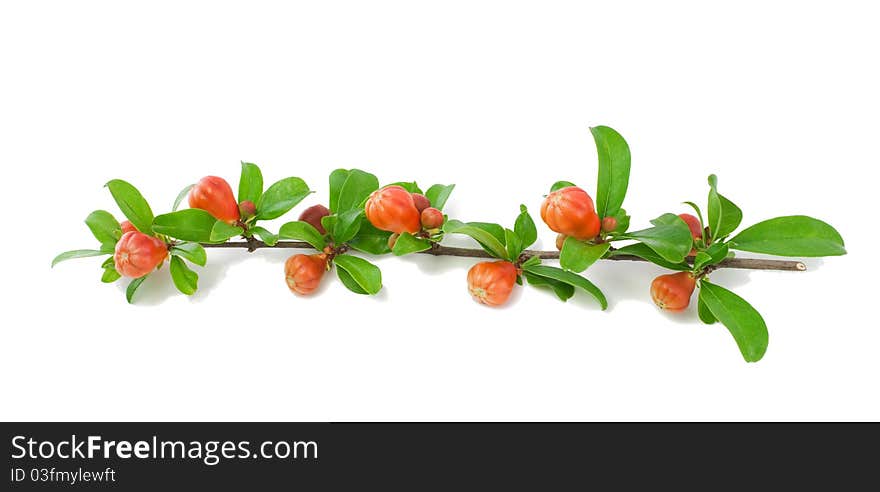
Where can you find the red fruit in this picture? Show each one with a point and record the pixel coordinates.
(432, 218)
(491, 282)
(214, 195)
(560, 241)
(570, 211)
(138, 254)
(313, 216)
(304, 272)
(609, 224)
(392, 209)
(693, 224)
(127, 226)
(673, 292)
(247, 210)
(421, 201)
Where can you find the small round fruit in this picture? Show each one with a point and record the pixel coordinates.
(392, 209)
(313, 216)
(560, 241)
(247, 210)
(432, 218)
(693, 224)
(609, 224)
(138, 254)
(421, 201)
(127, 226)
(303, 272)
(214, 195)
(491, 282)
(570, 211)
(673, 292)
(392, 240)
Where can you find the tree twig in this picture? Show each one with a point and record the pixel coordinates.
(440, 250)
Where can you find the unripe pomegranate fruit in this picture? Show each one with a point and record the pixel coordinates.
(214, 195)
(138, 254)
(570, 211)
(303, 272)
(432, 218)
(693, 224)
(421, 201)
(609, 224)
(560, 241)
(313, 216)
(491, 282)
(392, 209)
(127, 226)
(673, 292)
(392, 240)
(247, 210)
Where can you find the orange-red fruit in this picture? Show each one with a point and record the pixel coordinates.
(693, 224)
(247, 209)
(491, 282)
(421, 201)
(560, 241)
(392, 209)
(673, 292)
(214, 195)
(570, 211)
(609, 224)
(313, 216)
(303, 272)
(127, 226)
(138, 254)
(432, 218)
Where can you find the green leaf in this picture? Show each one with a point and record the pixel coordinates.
(712, 256)
(104, 226)
(704, 313)
(533, 260)
(180, 196)
(560, 185)
(77, 253)
(525, 227)
(741, 319)
(670, 237)
(190, 224)
(370, 240)
(193, 252)
(408, 244)
(513, 243)
(367, 276)
(133, 287)
(132, 204)
(562, 290)
(302, 231)
(622, 221)
(698, 211)
(222, 231)
(349, 282)
(186, 280)
(337, 179)
(646, 253)
(724, 216)
(110, 275)
(355, 190)
(614, 164)
(281, 197)
(410, 186)
(569, 278)
(487, 240)
(250, 183)
(795, 235)
(577, 255)
(439, 194)
(264, 235)
(347, 225)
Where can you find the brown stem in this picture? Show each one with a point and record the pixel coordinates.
(440, 250)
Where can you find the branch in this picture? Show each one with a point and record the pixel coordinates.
(440, 250)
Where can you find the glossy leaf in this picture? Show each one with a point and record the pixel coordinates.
(77, 253)
(250, 183)
(562, 290)
(347, 225)
(724, 215)
(367, 276)
(646, 253)
(569, 278)
(370, 240)
(281, 197)
(439, 194)
(337, 179)
(698, 212)
(795, 235)
(525, 227)
(560, 185)
(670, 237)
(479, 233)
(513, 243)
(222, 232)
(357, 187)
(192, 252)
(408, 244)
(180, 196)
(265, 235)
(712, 256)
(704, 313)
(349, 282)
(104, 226)
(190, 224)
(741, 319)
(410, 186)
(614, 166)
(110, 275)
(302, 231)
(133, 287)
(132, 204)
(577, 256)
(186, 280)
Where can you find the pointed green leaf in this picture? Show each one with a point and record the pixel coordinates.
(281, 197)
(439, 194)
(724, 215)
(104, 226)
(704, 313)
(337, 179)
(132, 204)
(186, 280)
(670, 237)
(560, 185)
(349, 282)
(77, 253)
(410, 186)
(133, 287)
(562, 290)
(357, 187)
(222, 232)
(525, 227)
(478, 232)
(614, 164)
(577, 256)
(347, 225)
(408, 244)
(180, 196)
(193, 252)
(250, 183)
(367, 276)
(741, 319)
(302, 231)
(191, 224)
(513, 243)
(646, 253)
(569, 278)
(795, 235)
(110, 275)
(370, 240)
(265, 235)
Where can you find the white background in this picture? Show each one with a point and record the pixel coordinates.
(779, 99)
